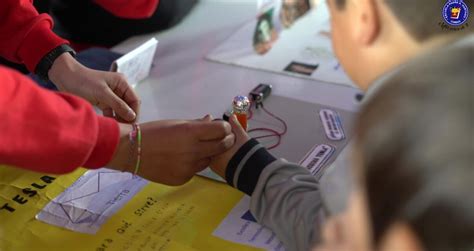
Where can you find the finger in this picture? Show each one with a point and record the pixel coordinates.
(237, 127)
(211, 130)
(108, 112)
(131, 98)
(206, 118)
(212, 148)
(121, 109)
(124, 91)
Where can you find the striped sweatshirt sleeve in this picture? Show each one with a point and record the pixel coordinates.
(285, 197)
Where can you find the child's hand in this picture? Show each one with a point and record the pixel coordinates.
(219, 162)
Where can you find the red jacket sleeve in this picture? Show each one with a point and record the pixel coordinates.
(133, 9)
(25, 36)
(51, 132)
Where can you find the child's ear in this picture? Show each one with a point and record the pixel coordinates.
(367, 26)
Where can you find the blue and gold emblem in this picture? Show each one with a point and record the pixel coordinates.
(455, 12)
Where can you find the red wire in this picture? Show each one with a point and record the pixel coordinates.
(273, 132)
(279, 119)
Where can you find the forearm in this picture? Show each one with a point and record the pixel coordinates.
(51, 132)
(124, 157)
(26, 35)
(285, 197)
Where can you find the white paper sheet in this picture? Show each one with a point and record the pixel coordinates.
(136, 64)
(91, 200)
(240, 226)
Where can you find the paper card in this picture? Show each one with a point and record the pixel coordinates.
(317, 158)
(332, 124)
(87, 204)
(208, 173)
(136, 64)
(240, 226)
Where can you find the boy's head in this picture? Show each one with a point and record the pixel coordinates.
(371, 37)
(414, 164)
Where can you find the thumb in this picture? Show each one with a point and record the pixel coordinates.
(237, 127)
(121, 109)
(206, 118)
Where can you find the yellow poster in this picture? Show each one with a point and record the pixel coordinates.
(157, 218)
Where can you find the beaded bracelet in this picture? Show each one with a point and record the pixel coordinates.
(135, 136)
(139, 148)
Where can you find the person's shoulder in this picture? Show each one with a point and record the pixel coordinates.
(446, 63)
(448, 58)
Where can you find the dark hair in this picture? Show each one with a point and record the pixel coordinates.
(421, 18)
(416, 140)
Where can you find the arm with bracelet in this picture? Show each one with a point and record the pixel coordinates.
(63, 132)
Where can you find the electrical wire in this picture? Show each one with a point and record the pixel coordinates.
(272, 132)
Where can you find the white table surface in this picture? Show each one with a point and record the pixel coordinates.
(183, 84)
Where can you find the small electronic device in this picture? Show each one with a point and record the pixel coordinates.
(257, 95)
(260, 93)
(240, 108)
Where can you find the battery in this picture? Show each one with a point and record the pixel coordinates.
(260, 93)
